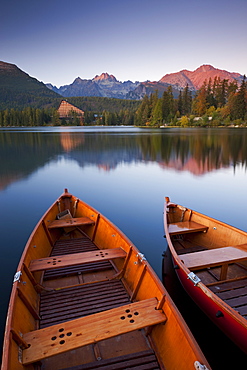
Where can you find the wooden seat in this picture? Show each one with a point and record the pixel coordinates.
(68, 222)
(55, 262)
(185, 227)
(215, 257)
(86, 330)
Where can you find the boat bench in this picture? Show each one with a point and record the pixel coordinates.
(185, 227)
(68, 222)
(74, 259)
(86, 330)
(215, 257)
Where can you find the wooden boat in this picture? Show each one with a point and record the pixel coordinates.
(84, 297)
(210, 260)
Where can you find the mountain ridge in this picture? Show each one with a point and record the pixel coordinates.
(103, 85)
(18, 89)
(196, 78)
(107, 85)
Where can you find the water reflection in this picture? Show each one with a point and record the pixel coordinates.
(198, 151)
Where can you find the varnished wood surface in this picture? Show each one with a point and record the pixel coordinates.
(68, 222)
(86, 330)
(76, 259)
(213, 257)
(185, 227)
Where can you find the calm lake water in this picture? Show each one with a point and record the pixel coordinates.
(124, 173)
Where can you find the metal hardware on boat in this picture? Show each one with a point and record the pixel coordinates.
(34, 246)
(113, 235)
(141, 256)
(176, 267)
(17, 276)
(214, 228)
(199, 366)
(219, 314)
(195, 279)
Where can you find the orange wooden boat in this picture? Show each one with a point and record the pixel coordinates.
(84, 297)
(210, 260)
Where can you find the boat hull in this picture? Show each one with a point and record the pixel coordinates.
(84, 296)
(217, 313)
(194, 240)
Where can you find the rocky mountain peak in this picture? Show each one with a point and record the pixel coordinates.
(196, 78)
(205, 68)
(104, 76)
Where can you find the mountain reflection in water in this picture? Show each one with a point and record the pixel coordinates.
(197, 151)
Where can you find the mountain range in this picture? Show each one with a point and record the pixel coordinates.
(108, 86)
(19, 90)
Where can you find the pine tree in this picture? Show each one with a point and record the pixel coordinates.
(200, 103)
(157, 116)
(186, 101)
(180, 102)
(240, 101)
(168, 106)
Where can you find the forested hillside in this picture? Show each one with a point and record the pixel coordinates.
(18, 90)
(216, 103)
(98, 110)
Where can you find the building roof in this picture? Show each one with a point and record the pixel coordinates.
(65, 109)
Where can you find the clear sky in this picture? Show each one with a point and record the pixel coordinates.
(56, 40)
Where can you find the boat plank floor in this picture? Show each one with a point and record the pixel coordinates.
(186, 246)
(82, 244)
(228, 285)
(71, 303)
(139, 361)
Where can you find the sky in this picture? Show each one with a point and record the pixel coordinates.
(57, 41)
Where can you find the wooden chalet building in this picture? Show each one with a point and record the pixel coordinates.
(66, 110)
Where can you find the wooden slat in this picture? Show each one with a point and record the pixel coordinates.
(72, 303)
(228, 285)
(185, 227)
(242, 310)
(213, 257)
(139, 361)
(72, 270)
(70, 246)
(75, 259)
(73, 334)
(68, 222)
(236, 301)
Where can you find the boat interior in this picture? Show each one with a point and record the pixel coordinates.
(85, 298)
(215, 252)
(81, 295)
